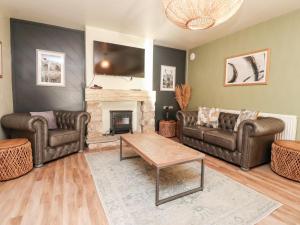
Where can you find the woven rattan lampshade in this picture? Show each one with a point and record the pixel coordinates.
(200, 14)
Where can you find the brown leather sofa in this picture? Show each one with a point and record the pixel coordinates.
(250, 146)
(47, 144)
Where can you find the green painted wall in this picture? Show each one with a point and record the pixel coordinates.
(6, 99)
(282, 93)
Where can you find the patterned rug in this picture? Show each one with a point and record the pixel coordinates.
(127, 193)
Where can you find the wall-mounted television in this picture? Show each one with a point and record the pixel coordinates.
(118, 60)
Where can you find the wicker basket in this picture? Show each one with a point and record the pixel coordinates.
(286, 159)
(15, 158)
(167, 128)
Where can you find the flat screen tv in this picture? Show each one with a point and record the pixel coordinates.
(118, 60)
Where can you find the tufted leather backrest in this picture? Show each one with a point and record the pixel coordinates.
(65, 120)
(227, 121)
(191, 118)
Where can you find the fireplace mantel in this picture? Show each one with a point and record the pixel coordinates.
(111, 95)
(94, 103)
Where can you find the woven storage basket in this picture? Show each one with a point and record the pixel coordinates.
(15, 158)
(286, 159)
(167, 128)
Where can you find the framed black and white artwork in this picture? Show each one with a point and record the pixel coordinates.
(50, 69)
(167, 78)
(248, 69)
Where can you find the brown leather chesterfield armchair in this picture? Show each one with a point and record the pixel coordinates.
(48, 145)
(250, 146)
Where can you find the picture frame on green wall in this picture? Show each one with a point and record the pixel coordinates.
(248, 69)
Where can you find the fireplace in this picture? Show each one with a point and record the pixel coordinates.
(120, 121)
(98, 103)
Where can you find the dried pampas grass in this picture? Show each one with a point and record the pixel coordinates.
(183, 95)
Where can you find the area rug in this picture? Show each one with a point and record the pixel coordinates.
(127, 192)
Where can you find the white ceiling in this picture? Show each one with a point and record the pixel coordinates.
(140, 17)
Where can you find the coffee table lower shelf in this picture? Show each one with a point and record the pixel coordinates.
(157, 186)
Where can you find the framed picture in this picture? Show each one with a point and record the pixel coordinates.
(167, 78)
(248, 69)
(50, 69)
(1, 70)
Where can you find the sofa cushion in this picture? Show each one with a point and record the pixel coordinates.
(208, 117)
(196, 131)
(224, 139)
(61, 137)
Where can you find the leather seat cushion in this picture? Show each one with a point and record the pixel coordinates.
(196, 131)
(224, 139)
(60, 137)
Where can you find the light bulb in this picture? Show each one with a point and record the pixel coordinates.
(105, 64)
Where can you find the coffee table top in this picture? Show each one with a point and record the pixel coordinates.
(160, 151)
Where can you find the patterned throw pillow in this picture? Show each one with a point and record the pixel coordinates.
(214, 117)
(208, 117)
(203, 115)
(245, 115)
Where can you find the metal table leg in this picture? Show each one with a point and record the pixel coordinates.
(171, 198)
(121, 148)
(121, 152)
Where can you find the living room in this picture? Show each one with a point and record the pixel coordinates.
(149, 112)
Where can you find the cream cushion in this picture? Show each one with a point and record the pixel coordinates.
(245, 115)
(208, 117)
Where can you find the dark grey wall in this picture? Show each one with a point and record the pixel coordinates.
(169, 57)
(26, 37)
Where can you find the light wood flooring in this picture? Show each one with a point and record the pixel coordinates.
(63, 193)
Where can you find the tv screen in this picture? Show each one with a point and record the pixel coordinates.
(118, 60)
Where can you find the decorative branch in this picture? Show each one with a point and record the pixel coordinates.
(183, 95)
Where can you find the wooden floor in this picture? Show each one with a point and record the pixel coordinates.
(63, 192)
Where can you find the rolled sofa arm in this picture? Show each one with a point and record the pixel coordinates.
(263, 126)
(255, 138)
(22, 122)
(35, 128)
(188, 118)
(85, 117)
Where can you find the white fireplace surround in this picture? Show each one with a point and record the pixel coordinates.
(97, 99)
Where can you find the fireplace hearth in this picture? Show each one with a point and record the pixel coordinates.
(120, 121)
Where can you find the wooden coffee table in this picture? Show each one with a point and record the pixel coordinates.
(162, 152)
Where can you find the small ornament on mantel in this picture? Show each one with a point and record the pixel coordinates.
(183, 95)
(95, 86)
